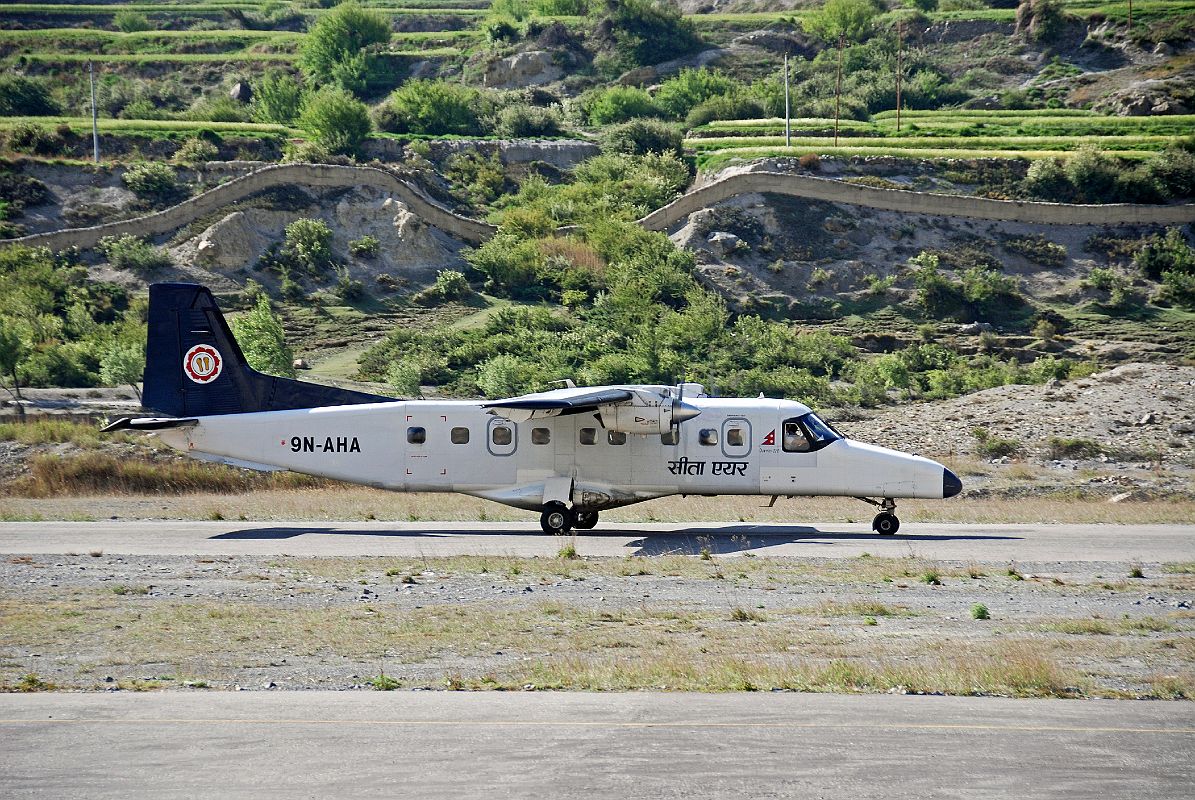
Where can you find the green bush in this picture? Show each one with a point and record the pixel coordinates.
(1165, 253)
(450, 285)
(260, 335)
(365, 247)
(1093, 175)
(134, 254)
(28, 137)
(851, 19)
(990, 446)
(25, 97)
(131, 21)
(980, 611)
(642, 136)
(642, 32)
(335, 119)
(523, 121)
(728, 106)
(618, 104)
(308, 244)
(1111, 282)
(333, 48)
(689, 88)
(277, 99)
(195, 151)
(435, 108)
(478, 179)
(151, 180)
(219, 108)
(1038, 249)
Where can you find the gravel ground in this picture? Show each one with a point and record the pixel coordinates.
(98, 622)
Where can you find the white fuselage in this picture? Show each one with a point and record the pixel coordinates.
(734, 446)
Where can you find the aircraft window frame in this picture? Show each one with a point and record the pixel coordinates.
(816, 432)
(416, 435)
(510, 435)
(456, 434)
(616, 438)
(796, 441)
(541, 435)
(708, 437)
(587, 436)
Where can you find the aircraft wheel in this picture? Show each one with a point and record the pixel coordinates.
(885, 524)
(586, 520)
(556, 519)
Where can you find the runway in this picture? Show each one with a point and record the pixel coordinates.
(639, 745)
(1033, 543)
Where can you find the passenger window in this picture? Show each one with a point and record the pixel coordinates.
(588, 436)
(541, 436)
(734, 437)
(460, 435)
(416, 435)
(708, 437)
(670, 438)
(616, 437)
(502, 436)
(795, 440)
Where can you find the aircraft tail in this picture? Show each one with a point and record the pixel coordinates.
(194, 367)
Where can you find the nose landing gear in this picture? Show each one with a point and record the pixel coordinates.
(885, 523)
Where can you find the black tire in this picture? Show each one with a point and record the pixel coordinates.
(585, 520)
(556, 519)
(885, 524)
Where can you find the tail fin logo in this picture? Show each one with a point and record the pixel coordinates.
(203, 363)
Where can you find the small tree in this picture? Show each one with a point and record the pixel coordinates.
(309, 244)
(848, 19)
(338, 37)
(12, 353)
(123, 363)
(260, 335)
(278, 98)
(433, 107)
(335, 119)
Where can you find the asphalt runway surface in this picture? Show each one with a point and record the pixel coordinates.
(557, 745)
(951, 542)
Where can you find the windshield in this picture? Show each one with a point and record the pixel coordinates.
(820, 434)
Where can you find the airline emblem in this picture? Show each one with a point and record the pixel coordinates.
(770, 439)
(203, 363)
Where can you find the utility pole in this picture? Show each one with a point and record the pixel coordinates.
(900, 41)
(1130, 16)
(838, 89)
(788, 131)
(95, 125)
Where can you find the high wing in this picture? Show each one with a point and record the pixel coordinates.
(556, 403)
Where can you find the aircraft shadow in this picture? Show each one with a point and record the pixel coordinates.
(718, 539)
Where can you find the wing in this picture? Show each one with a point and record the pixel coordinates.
(148, 424)
(560, 402)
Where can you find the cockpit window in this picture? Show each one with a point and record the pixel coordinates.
(806, 434)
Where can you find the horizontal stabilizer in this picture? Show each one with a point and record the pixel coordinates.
(148, 424)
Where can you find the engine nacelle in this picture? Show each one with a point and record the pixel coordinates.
(628, 418)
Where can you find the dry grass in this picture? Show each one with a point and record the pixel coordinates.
(263, 500)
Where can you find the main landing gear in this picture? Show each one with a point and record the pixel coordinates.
(557, 518)
(885, 522)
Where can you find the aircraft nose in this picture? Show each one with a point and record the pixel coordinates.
(951, 485)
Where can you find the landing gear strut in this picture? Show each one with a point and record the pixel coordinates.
(558, 518)
(885, 522)
(585, 520)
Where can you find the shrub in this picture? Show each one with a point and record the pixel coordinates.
(728, 106)
(1162, 254)
(1109, 281)
(1073, 448)
(195, 151)
(336, 120)
(309, 245)
(1038, 249)
(523, 121)
(311, 153)
(1047, 180)
(260, 336)
(348, 287)
(678, 95)
(641, 136)
(337, 38)
(365, 247)
(645, 32)
(851, 19)
(450, 285)
(151, 180)
(123, 363)
(1093, 175)
(28, 137)
(278, 98)
(131, 21)
(478, 178)
(501, 29)
(980, 611)
(25, 97)
(216, 108)
(992, 447)
(433, 108)
(133, 254)
(619, 104)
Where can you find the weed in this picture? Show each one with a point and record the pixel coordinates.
(1013, 572)
(568, 552)
(393, 572)
(974, 572)
(870, 621)
(123, 590)
(215, 516)
(454, 682)
(31, 682)
(739, 614)
(980, 611)
(705, 554)
(1135, 570)
(931, 577)
(384, 683)
(1180, 568)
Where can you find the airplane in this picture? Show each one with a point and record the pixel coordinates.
(569, 453)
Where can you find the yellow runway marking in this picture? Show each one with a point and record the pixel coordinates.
(583, 724)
